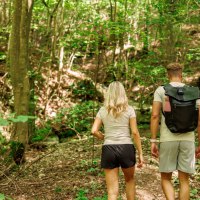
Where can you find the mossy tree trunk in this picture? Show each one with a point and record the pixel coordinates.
(19, 68)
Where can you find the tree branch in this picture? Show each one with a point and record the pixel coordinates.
(46, 5)
(56, 7)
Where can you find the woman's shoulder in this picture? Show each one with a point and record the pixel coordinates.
(131, 111)
(130, 107)
(102, 109)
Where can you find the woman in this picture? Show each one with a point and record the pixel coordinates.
(119, 121)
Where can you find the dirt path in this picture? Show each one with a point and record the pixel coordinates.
(65, 172)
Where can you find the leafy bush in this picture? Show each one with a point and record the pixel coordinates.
(68, 122)
(79, 117)
(3, 197)
(81, 195)
(15, 119)
(85, 90)
(101, 198)
(3, 142)
(193, 55)
(2, 56)
(41, 133)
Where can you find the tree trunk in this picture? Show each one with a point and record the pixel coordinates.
(146, 29)
(169, 32)
(19, 66)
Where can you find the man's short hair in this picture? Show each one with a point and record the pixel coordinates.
(174, 66)
(174, 69)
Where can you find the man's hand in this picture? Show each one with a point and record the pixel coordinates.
(198, 152)
(154, 150)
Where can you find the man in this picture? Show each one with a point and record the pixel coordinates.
(176, 151)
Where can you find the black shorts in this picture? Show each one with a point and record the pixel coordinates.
(122, 155)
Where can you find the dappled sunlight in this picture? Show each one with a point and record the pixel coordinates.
(56, 62)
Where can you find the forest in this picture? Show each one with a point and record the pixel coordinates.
(57, 58)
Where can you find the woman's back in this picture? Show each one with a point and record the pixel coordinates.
(117, 129)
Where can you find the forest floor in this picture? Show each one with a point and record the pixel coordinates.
(70, 170)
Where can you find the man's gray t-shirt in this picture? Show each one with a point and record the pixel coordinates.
(165, 134)
(117, 130)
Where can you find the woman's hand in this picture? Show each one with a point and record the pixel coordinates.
(140, 161)
(95, 129)
(99, 135)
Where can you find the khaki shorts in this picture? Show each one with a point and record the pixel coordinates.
(177, 155)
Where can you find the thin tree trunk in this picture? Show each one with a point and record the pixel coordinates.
(19, 66)
(168, 44)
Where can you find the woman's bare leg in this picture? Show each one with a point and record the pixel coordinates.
(130, 182)
(112, 177)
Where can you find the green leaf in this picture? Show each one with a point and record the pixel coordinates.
(193, 192)
(21, 118)
(3, 122)
(2, 196)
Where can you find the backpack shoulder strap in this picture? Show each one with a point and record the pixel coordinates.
(170, 90)
(185, 93)
(191, 93)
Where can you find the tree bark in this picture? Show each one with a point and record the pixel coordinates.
(169, 33)
(19, 67)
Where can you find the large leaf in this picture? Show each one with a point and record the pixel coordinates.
(3, 122)
(2, 196)
(21, 118)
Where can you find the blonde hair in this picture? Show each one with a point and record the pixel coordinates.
(116, 100)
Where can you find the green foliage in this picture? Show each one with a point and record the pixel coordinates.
(85, 90)
(193, 55)
(2, 196)
(81, 195)
(21, 118)
(3, 142)
(92, 169)
(147, 74)
(78, 117)
(41, 133)
(68, 120)
(105, 197)
(2, 55)
(58, 189)
(143, 125)
(13, 119)
(2, 139)
(4, 122)
(91, 28)
(193, 193)
(15, 147)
